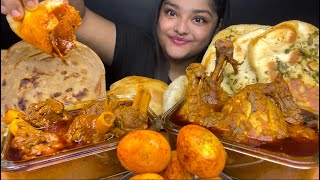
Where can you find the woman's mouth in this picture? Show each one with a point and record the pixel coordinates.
(178, 41)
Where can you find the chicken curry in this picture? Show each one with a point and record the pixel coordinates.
(47, 127)
(261, 114)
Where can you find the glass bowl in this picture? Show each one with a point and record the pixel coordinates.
(243, 160)
(92, 161)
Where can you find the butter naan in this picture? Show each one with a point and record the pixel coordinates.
(240, 35)
(291, 49)
(29, 75)
(50, 28)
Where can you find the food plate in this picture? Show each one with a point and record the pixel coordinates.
(85, 162)
(307, 162)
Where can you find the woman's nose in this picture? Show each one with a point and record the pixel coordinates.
(181, 27)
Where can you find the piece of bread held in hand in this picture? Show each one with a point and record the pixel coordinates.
(128, 85)
(50, 28)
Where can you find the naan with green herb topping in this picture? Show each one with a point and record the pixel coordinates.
(291, 49)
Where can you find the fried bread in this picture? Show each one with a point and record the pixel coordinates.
(129, 85)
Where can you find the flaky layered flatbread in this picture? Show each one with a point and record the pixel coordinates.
(29, 75)
(50, 28)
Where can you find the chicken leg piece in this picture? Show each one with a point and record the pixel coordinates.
(205, 96)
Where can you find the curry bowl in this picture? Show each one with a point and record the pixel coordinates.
(89, 161)
(243, 156)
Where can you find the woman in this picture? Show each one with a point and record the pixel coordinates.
(182, 33)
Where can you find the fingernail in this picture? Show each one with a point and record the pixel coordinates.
(31, 4)
(4, 10)
(15, 13)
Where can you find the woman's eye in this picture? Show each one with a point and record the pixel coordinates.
(170, 12)
(199, 20)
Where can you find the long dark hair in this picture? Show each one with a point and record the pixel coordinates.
(222, 8)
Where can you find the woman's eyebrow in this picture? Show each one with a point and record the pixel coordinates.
(193, 11)
(171, 4)
(202, 11)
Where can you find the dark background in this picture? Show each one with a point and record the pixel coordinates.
(271, 12)
(141, 13)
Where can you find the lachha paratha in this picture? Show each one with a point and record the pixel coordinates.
(29, 75)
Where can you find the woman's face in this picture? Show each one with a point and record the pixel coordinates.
(185, 27)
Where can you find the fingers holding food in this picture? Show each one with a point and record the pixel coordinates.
(14, 8)
(4, 9)
(30, 4)
(50, 27)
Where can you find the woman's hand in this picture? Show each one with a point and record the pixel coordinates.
(95, 31)
(16, 7)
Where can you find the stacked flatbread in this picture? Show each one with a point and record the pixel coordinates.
(290, 48)
(29, 75)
